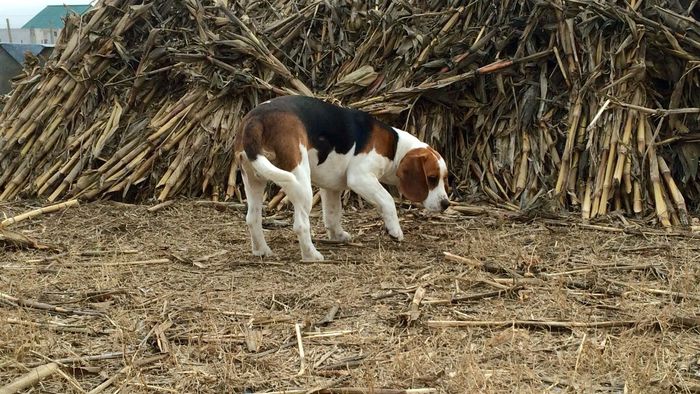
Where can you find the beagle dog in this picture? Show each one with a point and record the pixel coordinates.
(297, 141)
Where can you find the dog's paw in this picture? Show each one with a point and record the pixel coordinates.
(263, 252)
(396, 233)
(314, 255)
(342, 236)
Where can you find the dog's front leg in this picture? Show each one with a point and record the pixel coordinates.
(369, 188)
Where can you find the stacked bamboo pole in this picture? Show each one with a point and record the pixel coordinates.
(589, 105)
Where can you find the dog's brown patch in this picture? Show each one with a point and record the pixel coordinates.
(275, 135)
(432, 168)
(382, 140)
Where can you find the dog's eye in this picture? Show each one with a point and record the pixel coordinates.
(433, 180)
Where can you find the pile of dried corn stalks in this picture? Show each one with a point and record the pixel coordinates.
(589, 104)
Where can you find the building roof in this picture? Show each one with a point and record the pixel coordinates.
(16, 51)
(52, 16)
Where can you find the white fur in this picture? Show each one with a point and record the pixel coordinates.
(297, 186)
(363, 177)
(332, 213)
(254, 189)
(361, 173)
(331, 174)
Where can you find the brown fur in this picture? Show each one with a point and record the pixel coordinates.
(382, 141)
(418, 173)
(275, 135)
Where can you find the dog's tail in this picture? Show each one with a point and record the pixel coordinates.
(266, 169)
(251, 141)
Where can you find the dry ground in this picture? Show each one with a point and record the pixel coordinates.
(212, 318)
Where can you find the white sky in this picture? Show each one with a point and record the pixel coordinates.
(21, 11)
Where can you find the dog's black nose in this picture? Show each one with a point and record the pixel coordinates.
(444, 204)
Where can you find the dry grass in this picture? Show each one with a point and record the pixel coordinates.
(225, 321)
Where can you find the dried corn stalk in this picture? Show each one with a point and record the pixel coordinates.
(578, 104)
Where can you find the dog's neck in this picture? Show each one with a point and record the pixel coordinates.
(407, 142)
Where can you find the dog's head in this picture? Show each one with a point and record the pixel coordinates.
(422, 177)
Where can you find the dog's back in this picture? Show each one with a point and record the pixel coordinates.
(277, 127)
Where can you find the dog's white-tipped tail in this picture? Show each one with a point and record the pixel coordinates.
(267, 170)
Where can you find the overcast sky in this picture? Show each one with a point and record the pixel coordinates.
(21, 11)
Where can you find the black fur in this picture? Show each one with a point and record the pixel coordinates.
(329, 127)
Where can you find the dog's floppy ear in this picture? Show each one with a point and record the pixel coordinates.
(411, 173)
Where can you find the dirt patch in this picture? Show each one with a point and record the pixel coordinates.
(183, 306)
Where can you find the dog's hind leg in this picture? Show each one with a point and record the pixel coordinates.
(254, 190)
(301, 195)
(332, 214)
(297, 185)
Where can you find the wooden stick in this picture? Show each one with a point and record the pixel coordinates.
(542, 324)
(574, 118)
(413, 311)
(327, 334)
(283, 203)
(479, 296)
(573, 173)
(44, 306)
(71, 380)
(125, 369)
(37, 212)
(300, 344)
(604, 267)
(676, 294)
(483, 210)
(327, 385)
(597, 115)
(363, 390)
(85, 253)
(274, 202)
(675, 193)
(627, 173)
(118, 263)
(659, 111)
(679, 322)
(199, 339)
(100, 387)
(316, 199)
(623, 148)
(608, 174)
(330, 316)
(354, 390)
(586, 206)
(83, 359)
(56, 326)
(160, 206)
(221, 205)
(460, 259)
(93, 253)
(30, 378)
(524, 160)
(488, 267)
